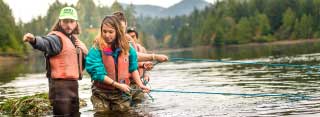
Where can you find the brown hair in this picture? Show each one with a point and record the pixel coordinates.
(120, 41)
(120, 15)
(57, 27)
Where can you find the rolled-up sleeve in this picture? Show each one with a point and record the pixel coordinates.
(94, 65)
(133, 60)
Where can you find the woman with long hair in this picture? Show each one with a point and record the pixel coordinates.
(111, 62)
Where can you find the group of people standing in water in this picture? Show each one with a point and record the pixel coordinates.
(117, 64)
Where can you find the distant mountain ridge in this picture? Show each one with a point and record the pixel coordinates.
(185, 7)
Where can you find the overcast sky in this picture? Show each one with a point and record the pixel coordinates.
(27, 9)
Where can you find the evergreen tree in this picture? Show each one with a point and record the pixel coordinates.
(306, 27)
(244, 31)
(88, 14)
(10, 36)
(116, 6)
(130, 15)
(287, 27)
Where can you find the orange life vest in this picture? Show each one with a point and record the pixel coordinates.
(117, 71)
(68, 63)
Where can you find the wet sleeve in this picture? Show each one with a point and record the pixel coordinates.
(50, 44)
(133, 60)
(94, 65)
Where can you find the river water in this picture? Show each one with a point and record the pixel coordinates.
(236, 89)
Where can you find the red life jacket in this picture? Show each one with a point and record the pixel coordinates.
(68, 63)
(118, 72)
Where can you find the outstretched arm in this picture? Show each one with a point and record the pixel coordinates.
(151, 57)
(49, 44)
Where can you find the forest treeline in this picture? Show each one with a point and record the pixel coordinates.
(238, 22)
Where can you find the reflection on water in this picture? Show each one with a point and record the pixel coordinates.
(210, 77)
(9, 69)
(250, 52)
(226, 78)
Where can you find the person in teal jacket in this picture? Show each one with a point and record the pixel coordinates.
(95, 66)
(111, 62)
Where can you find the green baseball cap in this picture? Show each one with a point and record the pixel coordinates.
(68, 13)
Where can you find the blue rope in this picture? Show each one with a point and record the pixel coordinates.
(236, 94)
(295, 96)
(145, 82)
(299, 96)
(254, 63)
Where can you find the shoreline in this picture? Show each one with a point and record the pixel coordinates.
(283, 42)
(167, 50)
(2, 58)
(5, 58)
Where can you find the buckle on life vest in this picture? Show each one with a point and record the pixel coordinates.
(126, 60)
